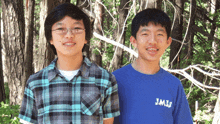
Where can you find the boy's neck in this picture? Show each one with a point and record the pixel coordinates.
(145, 66)
(68, 63)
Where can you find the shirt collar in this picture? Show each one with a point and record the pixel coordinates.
(84, 69)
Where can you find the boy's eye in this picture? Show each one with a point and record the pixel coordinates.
(160, 34)
(60, 29)
(77, 28)
(145, 34)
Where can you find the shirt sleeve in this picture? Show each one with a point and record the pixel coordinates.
(111, 101)
(28, 111)
(182, 114)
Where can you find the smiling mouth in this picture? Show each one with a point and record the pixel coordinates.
(69, 44)
(152, 49)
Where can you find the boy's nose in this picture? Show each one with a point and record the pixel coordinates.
(69, 34)
(152, 39)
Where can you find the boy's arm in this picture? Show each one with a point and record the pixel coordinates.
(182, 114)
(28, 111)
(108, 120)
(110, 104)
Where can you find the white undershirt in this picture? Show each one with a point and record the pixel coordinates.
(69, 74)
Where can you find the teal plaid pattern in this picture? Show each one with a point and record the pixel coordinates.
(49, 98)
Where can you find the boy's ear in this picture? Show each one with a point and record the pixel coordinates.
(85, 42)
(133, 41)
(51, 42)
(169, 41)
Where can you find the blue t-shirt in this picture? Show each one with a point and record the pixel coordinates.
(151, 99)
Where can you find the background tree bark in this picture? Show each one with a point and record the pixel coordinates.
(96, 47)
(214, 11)
(28, 54)
(188, 51)
(2, 88)
(120, 35)
(215, 43)
(216, 119)
(13, 21)
(178, 27)
(149, 4)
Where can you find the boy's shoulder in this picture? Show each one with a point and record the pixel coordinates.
(123, 69)
(169, 75)
(40, 75)
(98, 71)
(170, 79)
(94, 70)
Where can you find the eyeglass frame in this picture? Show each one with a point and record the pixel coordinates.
(66, 30)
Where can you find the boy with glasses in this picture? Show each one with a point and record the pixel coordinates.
(71, 90)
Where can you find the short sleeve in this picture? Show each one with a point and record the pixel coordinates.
(111, 101)
(182, 114)
(28, 111)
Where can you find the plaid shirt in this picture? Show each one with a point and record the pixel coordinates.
(49, 98)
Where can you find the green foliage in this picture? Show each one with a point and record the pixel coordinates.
(203, 114)
(8, 113)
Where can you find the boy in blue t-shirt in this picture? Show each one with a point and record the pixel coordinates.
(147, 93)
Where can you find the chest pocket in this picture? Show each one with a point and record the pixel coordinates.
(90, 99)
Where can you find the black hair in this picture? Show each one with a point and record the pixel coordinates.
(58, 13)
(155, 16)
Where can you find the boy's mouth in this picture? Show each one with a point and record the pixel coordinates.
(152, 49)
(69, 44)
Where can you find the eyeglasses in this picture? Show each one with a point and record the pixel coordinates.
(63, 31)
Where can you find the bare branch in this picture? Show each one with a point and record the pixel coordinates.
(115, 43)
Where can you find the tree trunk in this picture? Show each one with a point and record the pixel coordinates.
(190, 35)
(214, 42)
(216, 119)
(96, 47)
(120, 37)
(2, 88)
(149, 4)
(45, 55)
(159, 4)
(29, 26)
(13, 21)
(178, 27)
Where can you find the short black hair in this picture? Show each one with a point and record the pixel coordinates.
(155, 16)
(58, 13)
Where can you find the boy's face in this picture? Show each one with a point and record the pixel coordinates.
(151, 42)
(68, 36)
